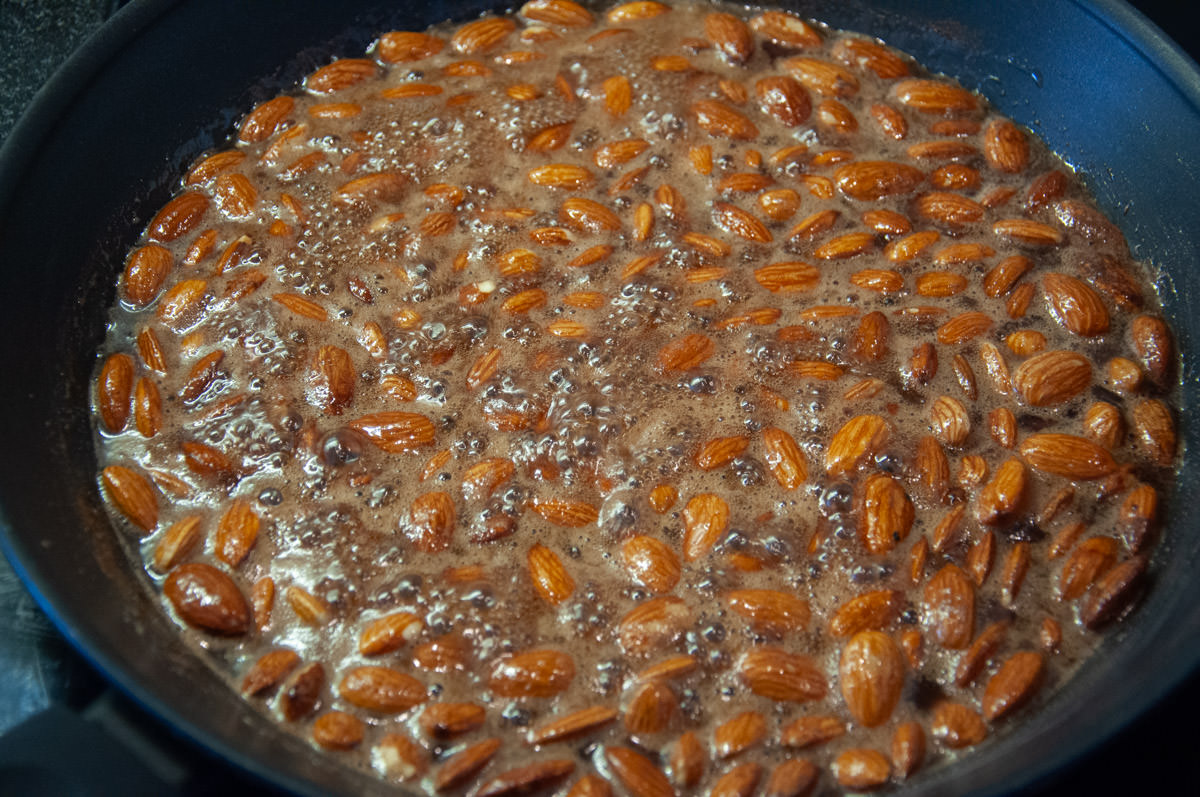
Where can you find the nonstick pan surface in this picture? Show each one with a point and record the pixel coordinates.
(103, 146)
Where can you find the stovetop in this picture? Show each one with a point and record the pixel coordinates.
(49, 695)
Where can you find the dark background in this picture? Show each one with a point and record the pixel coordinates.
(46, 688)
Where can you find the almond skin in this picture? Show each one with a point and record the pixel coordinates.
(1014, 683)
(949, 607)
(381, 689)
(887, 514)
(1052, 377)
(534, 673)
(206, 598)
(871, 674)
(1067, 455)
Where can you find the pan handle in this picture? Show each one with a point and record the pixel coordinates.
(106, 748)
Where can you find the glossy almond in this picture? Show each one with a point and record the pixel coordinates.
(640, 776)
(1075, 305)
(871, 675)
(873, 180)
(705, 522)
(534, 673)
(948, 607)
(652, 625)
(769, 611)
(1052, 377)
(1013, 685)
(886, 513)
(1067, 455)
(776, 674)
(651, 563)
(206, 598)
(549, 576)
(133, 494)
(858, 439)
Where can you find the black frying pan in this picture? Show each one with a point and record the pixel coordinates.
(104, 144)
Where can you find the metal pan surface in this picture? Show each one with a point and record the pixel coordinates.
(102, 147)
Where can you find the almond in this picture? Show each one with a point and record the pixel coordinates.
(651, 563)
(705, 522)
(396, 432)
(873, 180)
(652, 625)
(871, 611)
(237, 532)
(1014, 683)
(653, 705)
(784, 458)
(720, 120)
(775, 674)
(573, 725)
(534, 673)
(858, 439)
(1002, 496)
(887, 514)
(769, 611)
(550, 578)
(871, 674)
(464, 765)
(1006, 147)
(447, 720)
(527, 779)
(957, 725)
(269, 670)
(935, 97)
(1075, 305)
(133, 495)
(908, 748)
(685, 353)
(861, 769)
(640, 776)
(206, 598)
(783, 98)
(949, 607)
(729, 35)
(1053, 377)
(1067, 455)
(389, 633)
(1155, 429)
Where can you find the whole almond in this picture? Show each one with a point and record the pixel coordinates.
(908, 748)
(651, 563)
(774, 673)
(447, 720)
(533, 673)
(729, 35)
(527, 779)
(871, 611)
(705, 522)
(133, 494)
(1067, 455)
(653, 624)
(859, 438)
(1014, 683)
(871, 674)
(769, 611)
(861, 769)
(381, 689)
(874, 180)
(331, 380)
(1155, 429)
(957, 726)
(653, 705)
(206, 598)
(1052, 377)
(783, 98)
(887, 513)
(550, 578)
(1002, 496)
(637, 773)
(949, 607)
(114, 389)
(1075, 305)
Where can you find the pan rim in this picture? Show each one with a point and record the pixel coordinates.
(73, 77)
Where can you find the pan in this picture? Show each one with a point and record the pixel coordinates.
(104, 143)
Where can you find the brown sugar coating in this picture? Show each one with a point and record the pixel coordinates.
(665, 398)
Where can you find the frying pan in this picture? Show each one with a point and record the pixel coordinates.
(102, 148)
